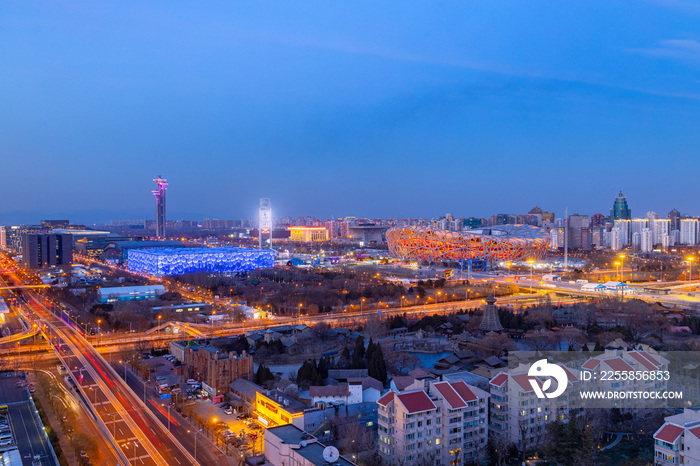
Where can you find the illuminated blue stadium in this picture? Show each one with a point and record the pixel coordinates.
(181, 261)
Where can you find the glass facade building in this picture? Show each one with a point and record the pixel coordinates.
(620, 209)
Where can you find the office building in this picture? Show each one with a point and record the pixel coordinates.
(675, 217)
(620, 209)
(598, 220)
(370, 233)
(308, 234)
(544, 216)
(159, 194)
(677, 441)
(597, 237)
(576, 225)
(41, 250)
(443, 424)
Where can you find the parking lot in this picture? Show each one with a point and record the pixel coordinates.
(20, 426)
(234, 430)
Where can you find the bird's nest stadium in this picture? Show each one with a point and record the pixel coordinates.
(498, 243)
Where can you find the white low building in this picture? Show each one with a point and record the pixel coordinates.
(129, 293)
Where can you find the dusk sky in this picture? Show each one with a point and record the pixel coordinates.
(331, 108)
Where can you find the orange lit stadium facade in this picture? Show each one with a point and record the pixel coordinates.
(499, 243)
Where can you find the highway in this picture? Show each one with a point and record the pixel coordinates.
(206, 453)
(139, 435)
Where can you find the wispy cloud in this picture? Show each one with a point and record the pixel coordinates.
(684, 50)
(687, 6)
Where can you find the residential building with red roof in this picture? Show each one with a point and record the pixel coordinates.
(604, 367)
(518, 416)
(444, 422)
(678, 440)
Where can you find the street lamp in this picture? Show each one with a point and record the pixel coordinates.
(159, 317)
(402, 298)
(690, 260)
(168, 416)
(617, 271)
(114, 422)
(532, 264)
(438, 296)
(99, 321)
(94, 390)
(622, 267)
(124, 363)
(136, 442)
(195, 442)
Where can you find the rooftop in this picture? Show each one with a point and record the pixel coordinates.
(312, 451)
(416, 402)
(329, 390)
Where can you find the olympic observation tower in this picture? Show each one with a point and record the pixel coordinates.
(159, 193)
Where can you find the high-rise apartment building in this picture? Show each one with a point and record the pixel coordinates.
(518, 416)
(616, 242)
(646, 243)
(689, 231)
(636, 241)
(620, 209)
(637, 225)
(624, 226)
(446, 424)
(662, 228)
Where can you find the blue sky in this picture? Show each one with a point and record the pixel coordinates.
(377, 109)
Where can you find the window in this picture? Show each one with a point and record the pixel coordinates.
(437, 441)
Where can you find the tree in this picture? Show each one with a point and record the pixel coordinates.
(376, 365)
(263, 375)
(358, 355)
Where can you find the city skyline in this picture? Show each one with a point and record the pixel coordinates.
(330, 113)
(98, 217)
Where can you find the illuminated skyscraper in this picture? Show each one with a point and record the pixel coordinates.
(265, 222)
(160, 206)
(620, 209)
